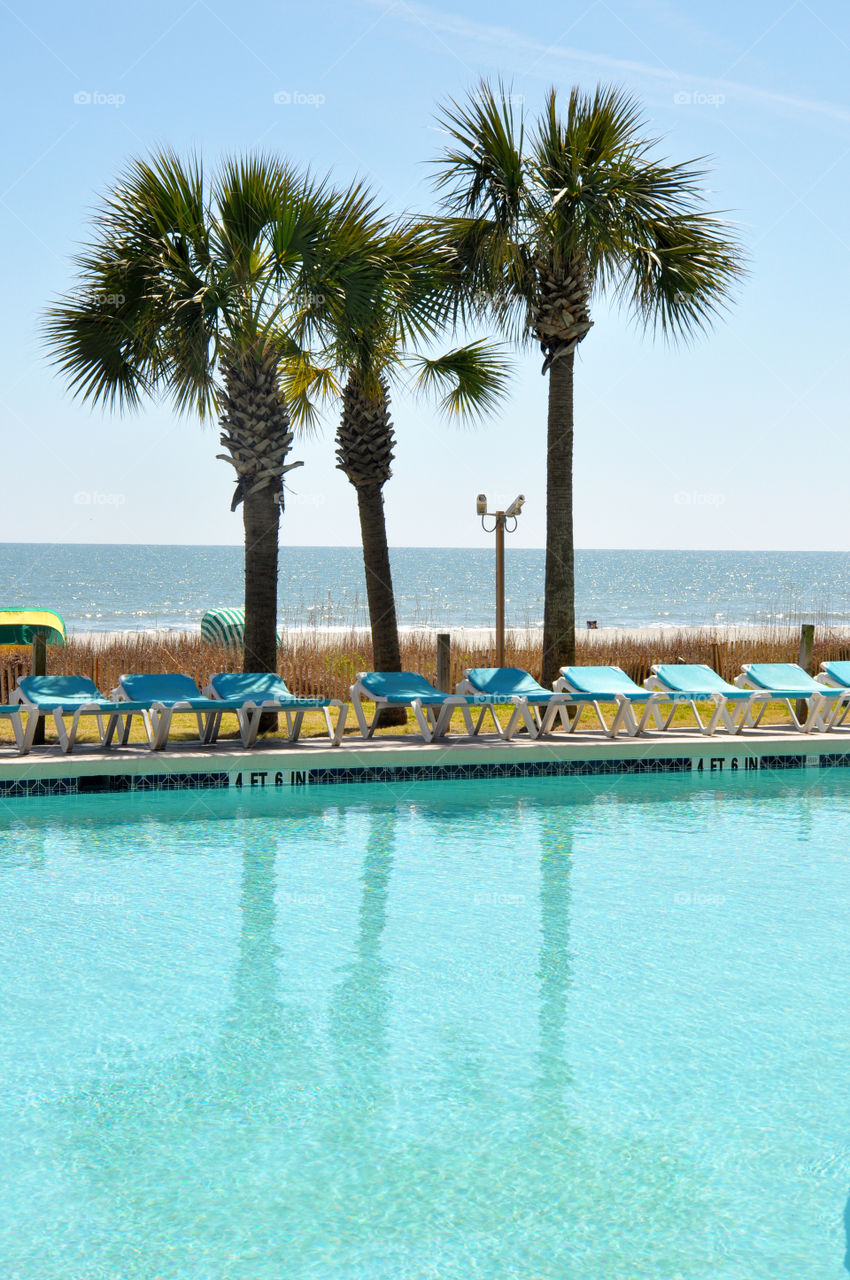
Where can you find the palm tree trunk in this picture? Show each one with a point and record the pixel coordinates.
(559, 620)
(386, 650)
(261, 518)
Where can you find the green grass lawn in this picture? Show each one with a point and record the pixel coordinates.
(184, 727)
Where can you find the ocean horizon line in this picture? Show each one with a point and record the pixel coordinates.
(355, 546)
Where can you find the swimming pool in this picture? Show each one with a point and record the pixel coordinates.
(517, 1030)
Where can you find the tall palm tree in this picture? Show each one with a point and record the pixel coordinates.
(411, 304)
(544, 222)
(187, 291)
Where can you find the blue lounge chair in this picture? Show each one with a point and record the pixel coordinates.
(607, 685)
(433, 710)
(269, 693)
(513, 686)
(692, 683)
(159, 697)
(786, 682)
(74, 696)
(836, 675)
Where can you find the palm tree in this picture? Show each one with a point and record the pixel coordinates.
(412, 302)
(187, 291)
(545, 222)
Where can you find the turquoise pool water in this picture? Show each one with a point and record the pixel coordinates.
(533, 1031)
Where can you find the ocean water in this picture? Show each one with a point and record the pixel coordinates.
(117, 588)
(345, 1037)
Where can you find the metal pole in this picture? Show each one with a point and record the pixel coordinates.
(500, 588)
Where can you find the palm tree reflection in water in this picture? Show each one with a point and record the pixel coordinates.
(262, 1148)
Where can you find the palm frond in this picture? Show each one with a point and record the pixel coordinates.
(306, 383)
(94, 353)
(683, 275)
(482, 169)
(467, 382)
(495, 274)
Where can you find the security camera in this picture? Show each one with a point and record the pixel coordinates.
(481, 504)
(516, 506)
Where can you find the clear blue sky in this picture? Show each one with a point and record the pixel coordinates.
(739, 441)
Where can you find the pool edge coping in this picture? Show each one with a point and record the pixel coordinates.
(392, 760)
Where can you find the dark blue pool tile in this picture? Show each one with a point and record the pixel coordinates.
(103, 784)
(836, 760)
(38, 787)
(179, 781)
(91, 784)
(498, 769)
(783, 762)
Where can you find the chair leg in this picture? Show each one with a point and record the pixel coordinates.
(59, 721)
(666, 725)
(612, 733)
(336, 736)
(467, 718)
(482, 715)
(842, 704)
(18, 730)
(111, 726)
(815, 722)
(624, 718)
(421, 714)
(33, 718)
(162, 726)
(442, 721)
(650, 712)
(75, 724)
(521, 714)
(718, 716)
(150, 720)
(356, 702)
(555, 710)
(248, 718)
(737, 724)
(488, 707)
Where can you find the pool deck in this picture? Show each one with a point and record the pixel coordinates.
(46, 771)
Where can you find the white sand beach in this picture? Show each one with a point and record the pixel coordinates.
(297, 637)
